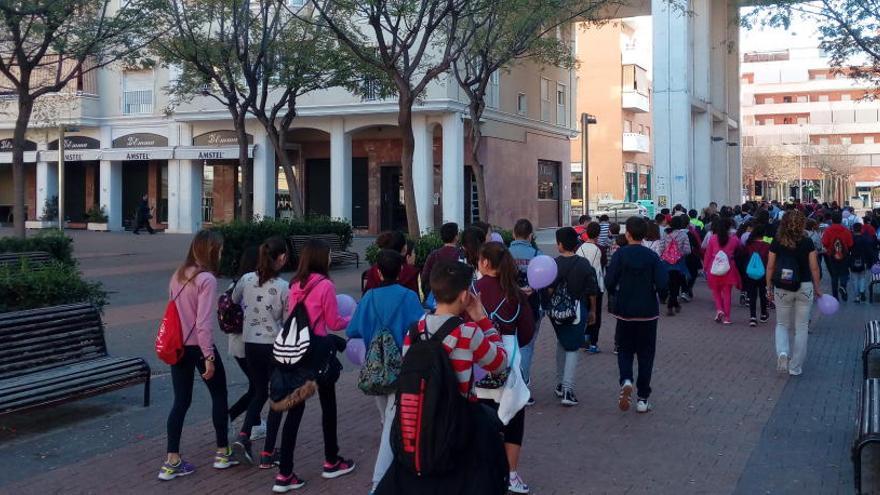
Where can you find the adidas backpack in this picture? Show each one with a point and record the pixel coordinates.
(432, 426)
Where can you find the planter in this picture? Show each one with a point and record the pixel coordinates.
(41, 224)
(97, 227)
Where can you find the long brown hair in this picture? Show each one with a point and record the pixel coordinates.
(472, 240)
(270, 250)
(791, 229)
(499, 259)
(314, 258)
(203, 254)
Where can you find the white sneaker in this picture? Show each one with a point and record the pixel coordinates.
(643, 406)
(782, 363)
(624, 399)
(258, 431)
(517, 485)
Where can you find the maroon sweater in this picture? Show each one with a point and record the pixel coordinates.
(409, 278)
(443, 253)
(523, 324)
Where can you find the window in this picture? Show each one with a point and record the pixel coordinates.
(846, 140)
(545, 100)
(137, 92)
(521, 104)
(823, 97)
(823, 141)
(632, 186)
(869, 139)
(768, 100)
(786, 120)
(802, 99)
(548, 180)
(786, 99)
(845, 97)
(627, 126)
(493, 91)
(648, 131)
(561, 105)
(641, 129)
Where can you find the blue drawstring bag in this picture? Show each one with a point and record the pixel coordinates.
(755, 270)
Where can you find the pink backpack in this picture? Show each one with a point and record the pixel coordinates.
(671, 254)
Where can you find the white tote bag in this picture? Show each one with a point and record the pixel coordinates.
(515, 393)
(720, 265)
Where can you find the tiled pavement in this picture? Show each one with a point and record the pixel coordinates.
(724, 421)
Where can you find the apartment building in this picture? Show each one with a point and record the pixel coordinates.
(813, 121)
(125, 140)
(613, 84)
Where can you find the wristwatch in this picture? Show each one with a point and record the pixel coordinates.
(210, 358)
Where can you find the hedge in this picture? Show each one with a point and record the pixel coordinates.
(57, 283)
(238, 235)
(53, 242)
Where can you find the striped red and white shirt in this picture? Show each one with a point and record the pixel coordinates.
(471, 343)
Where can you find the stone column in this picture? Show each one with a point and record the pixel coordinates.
(47, 182)
(453, 169)
(184, 185)
(264, 176)
(110, 195)
(340, 171)
(423, 172)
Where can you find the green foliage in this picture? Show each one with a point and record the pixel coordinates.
(96, 214)
(22, 287)
(50, 209)
(238, 235)
(423, 247)
(52, 241)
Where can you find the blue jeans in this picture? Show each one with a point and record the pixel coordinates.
(529, 350)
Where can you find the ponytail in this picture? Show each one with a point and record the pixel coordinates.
(270, 250)
(500, 259)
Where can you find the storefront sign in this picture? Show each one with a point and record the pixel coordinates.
(77, 143)
(6, 145)
(140, 140)
(122, 154)
(219, 138)
(71, 156)
(205, 153)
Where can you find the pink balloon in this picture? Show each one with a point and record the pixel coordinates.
(542, 271)
(346, 305)
(828, 305)
(356, 352)
(496, 237)
(479, 373)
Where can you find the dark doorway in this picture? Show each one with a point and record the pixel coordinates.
(360, 193)
(393, 210)
(318, 186)
(135, 179)
(75, 191)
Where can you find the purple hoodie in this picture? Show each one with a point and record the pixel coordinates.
(320, 304)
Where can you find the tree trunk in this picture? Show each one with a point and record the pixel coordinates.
(286, 164)
(25, 108)
(404, 121)
(244, 163)
(476, 140)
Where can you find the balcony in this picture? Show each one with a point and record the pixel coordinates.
(634, 101)
(634, 142)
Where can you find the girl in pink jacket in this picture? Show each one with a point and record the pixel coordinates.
(313, 286)
(722, 285)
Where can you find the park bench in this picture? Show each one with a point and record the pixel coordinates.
(872, 343)
(338, 254)
(868, 425)
(58, 354)
(35, 259)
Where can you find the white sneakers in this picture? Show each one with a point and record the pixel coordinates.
(258, 431)
(624, 400)
(643, 406)
(516, 484)
(782, 363)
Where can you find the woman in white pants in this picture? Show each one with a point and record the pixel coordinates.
(793, 283)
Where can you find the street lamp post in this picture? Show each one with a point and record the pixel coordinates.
(586, 120)
(61, 177)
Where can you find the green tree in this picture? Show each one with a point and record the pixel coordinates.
(46, 44)
(848, 31)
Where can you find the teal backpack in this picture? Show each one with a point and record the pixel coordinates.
(382, 362)
(755, 270)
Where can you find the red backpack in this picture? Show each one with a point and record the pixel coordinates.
(169, 339)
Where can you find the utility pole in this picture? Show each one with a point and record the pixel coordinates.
(586, 120)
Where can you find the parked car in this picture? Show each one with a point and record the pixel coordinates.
(620, 211)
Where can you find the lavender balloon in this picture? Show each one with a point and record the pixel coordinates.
(496, 237)
(828, 305)
(356, 352)
(479, 373)
(346, 305)
(542, 271)
(876, 269)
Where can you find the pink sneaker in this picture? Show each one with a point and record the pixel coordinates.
(340, 468)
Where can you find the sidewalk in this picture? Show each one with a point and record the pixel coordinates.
(724, 420)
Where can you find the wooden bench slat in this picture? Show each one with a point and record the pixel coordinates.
(60, 374)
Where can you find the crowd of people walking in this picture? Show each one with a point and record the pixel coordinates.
(448, 347)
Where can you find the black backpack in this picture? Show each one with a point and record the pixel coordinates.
(432, 426)
(564, 307)
(787, 274)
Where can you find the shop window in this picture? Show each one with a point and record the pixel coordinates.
(548, 180)
(545, 100)
(632, 192)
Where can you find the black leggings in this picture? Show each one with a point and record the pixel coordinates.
(593, 330)
(676, 283)
(182, 378)
(260, 365)
(241, 404)
(515, 429)
(327, 397)
(755, 291)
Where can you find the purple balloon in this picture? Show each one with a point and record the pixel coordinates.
(496, 237)
(542, 272)
(356, 352)
(479, 373)
(346, 305)
(828, 305)
(876, 269)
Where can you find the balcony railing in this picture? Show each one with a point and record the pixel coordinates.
(635, 102)
(137, 102)
(636, 143)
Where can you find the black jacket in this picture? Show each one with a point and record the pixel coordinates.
(632, 280)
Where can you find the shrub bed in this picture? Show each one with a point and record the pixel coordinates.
(22, 287)
(53, 242)
(238, 235)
